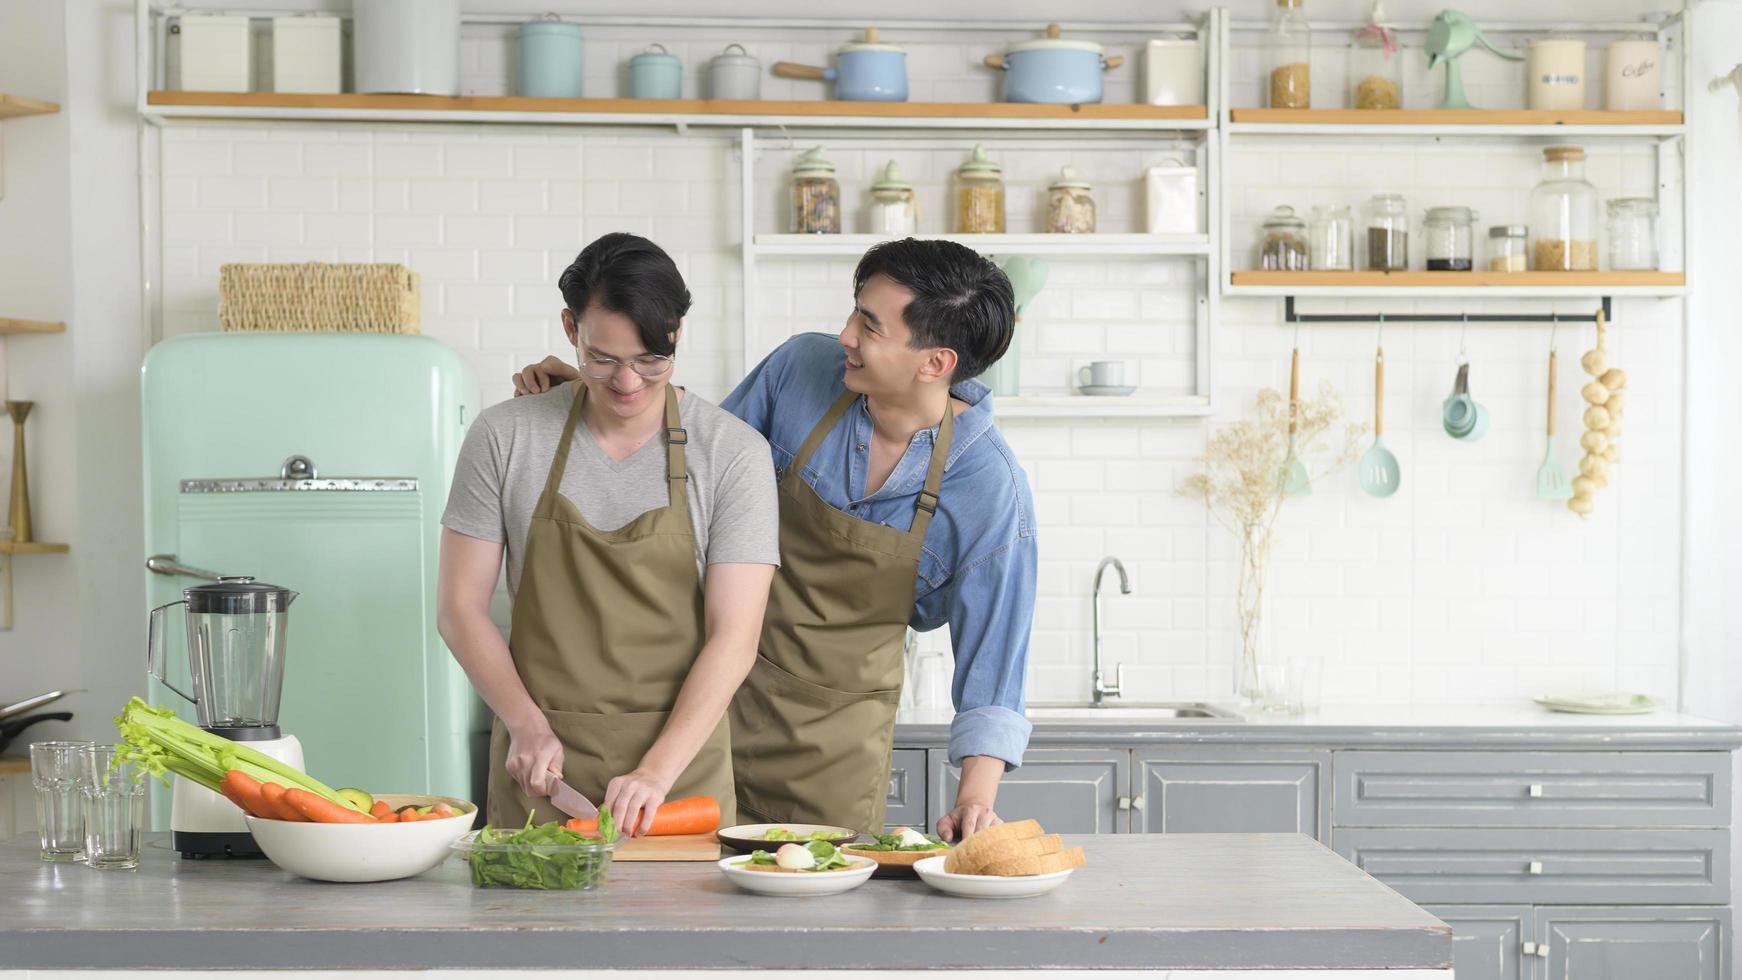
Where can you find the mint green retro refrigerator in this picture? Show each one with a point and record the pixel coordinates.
(321, 463)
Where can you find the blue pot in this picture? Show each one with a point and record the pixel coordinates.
(550, 59)
(870, 74)
(655, 74)
(1054, 70)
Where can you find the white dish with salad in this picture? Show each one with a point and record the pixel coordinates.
(807, 870)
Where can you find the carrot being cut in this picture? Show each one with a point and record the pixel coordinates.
(248, 793)
(274, 796)
(322, 810)
(691, 815)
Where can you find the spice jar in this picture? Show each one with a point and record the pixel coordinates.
(1507, 249)
(1288, 45)
(1375, 65)
(1069, 208)
(1386, 218)
(1563, 214)
(1632, 233)
(979, 195)
(816, 197)
(894, 210)
(1447, 239)
(1328, 239)
(1283, 245)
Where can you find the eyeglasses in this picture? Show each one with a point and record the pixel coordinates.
(598, 367)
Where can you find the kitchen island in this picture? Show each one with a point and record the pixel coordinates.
(1230, 903)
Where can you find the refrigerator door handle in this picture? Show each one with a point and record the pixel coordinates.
(167, 565)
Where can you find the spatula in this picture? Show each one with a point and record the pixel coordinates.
(1379, 475)
(1551, 480)
(1294, 474)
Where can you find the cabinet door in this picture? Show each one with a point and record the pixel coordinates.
(1487, 939)
(1070, 791)
(906, 804)
(1633, 942)
(1232, 791)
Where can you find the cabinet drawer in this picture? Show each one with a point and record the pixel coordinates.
(1579, 867)
(1532, 789)
(906, 803)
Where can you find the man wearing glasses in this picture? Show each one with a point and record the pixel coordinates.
(900, 505)
(641, 528)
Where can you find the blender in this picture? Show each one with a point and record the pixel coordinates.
(236, 631)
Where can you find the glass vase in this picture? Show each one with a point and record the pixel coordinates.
(1252, 603)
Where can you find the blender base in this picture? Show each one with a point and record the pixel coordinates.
(196, 845)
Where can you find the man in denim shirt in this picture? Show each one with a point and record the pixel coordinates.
(895, 514)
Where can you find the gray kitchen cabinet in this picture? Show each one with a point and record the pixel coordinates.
(905, 806)
(1544, 866)
(1487, 940)
(1226, 789)
(1532, 789)
(1070, 791)
(1626, 943)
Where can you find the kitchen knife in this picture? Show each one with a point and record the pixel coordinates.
(565, 798)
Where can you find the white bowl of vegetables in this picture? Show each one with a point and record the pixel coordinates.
(365, 851)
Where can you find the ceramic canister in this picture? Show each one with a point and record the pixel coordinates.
(1632, 73)
(550, 59)
(1173, 72)
(734, 74)
(1557, 74)
(655, 74)
(406, 46)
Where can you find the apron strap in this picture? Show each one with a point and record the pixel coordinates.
(676, 474)
(553, 483)
(934, 474)
(818, 434)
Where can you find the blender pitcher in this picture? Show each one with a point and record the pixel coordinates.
(236, 629)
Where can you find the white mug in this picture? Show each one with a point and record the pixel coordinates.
(1101, 374)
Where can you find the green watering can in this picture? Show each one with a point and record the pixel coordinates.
(1452, 34)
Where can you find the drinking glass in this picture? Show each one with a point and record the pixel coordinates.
(114, 801)
(1305, 684)
(1273, 689)
(60, 820)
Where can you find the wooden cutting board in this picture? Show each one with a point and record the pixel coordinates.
(677, 847)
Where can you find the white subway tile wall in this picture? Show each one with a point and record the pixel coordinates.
(1463, 587)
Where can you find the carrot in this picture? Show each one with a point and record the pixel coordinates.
(380, 810)
(249, 790)
(274, 795)
(229, 791)
(322, 810)
(691, 815)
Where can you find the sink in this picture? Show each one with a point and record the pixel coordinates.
(1115, 712)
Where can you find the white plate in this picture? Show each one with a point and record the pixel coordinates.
(799, 884)
(1600, 702)
(1105, 390)
(748, 837)
(931, 870)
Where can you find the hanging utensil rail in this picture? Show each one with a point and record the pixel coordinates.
(1289, 315)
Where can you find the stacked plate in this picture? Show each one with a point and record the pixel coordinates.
(1600, 702)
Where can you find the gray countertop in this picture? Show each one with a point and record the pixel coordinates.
(1520, 725)
(1207, 901)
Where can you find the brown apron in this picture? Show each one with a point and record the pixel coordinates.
(606, 627)
(814, 722)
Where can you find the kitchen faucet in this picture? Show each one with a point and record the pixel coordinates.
(1100, 689)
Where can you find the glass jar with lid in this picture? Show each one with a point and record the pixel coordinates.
(1448, 239)
(1328, 239)
(1376, 64)
(1283, 246)
(1288, 51)
(979, 195)
(1563, 214)
(1632, 233)
(1386, 218)
(1070, 210)
(816, 196)
(894, 209)
(1508, 248)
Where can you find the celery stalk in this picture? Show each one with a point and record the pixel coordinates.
(162, 744)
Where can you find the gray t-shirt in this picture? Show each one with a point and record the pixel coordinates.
(509, 449)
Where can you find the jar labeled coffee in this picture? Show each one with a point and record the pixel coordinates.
(1386, 219)
(1447, 239)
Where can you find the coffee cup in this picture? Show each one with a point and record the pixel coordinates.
(1101, 374)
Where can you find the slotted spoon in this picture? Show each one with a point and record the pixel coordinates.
(1294, 473)
(1379, 472)
(1551, 480)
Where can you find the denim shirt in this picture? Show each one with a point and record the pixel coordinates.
(977, 565)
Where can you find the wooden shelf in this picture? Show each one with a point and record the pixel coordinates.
(669, 111)
(30, 326)
(13, 106)
(12, 765)
(1008, 244)
(1457, 117)
(32, 548)
(1545, 284)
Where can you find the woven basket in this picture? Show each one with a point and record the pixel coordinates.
(308, 297)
